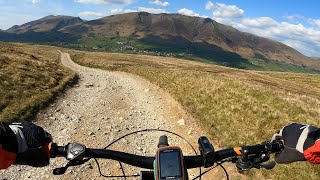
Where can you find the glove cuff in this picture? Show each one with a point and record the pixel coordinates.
(6, 158)
(312, 154)
(289, 155)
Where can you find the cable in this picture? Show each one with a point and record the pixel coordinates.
(122, 170)
(204, 172)
(224, 169)
(147, 130)
(218, 164)
(112, 176)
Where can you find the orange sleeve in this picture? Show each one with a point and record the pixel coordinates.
(6, 158)
(312, 154)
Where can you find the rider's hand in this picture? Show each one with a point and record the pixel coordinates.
(312, 154)
(301, 142)
(8, 146)
(33, 144)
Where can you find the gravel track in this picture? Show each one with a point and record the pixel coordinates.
(102, 107)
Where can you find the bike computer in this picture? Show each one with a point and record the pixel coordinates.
(169, 163)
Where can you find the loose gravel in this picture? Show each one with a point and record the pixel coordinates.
(102, 107)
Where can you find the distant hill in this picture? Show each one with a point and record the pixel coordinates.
(44, 30)
(170, 27)
(46, 24)
(13, 28)
(164, 34)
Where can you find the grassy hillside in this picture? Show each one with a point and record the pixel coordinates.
(236, 107)
(30, 77)
(180, 48)
(151, 45)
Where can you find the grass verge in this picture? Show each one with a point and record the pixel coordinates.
(30, 78)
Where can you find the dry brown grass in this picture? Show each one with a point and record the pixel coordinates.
(30, 77)
(237, 107)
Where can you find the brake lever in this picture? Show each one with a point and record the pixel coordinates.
(74, 153)
(62, 170)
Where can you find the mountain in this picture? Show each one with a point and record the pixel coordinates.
(167, 27)
(47, 24)
(13, 28)
(165, 34)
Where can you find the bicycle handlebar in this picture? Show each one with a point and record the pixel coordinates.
(147, 161)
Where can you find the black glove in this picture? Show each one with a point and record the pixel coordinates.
(32, 144)
(8, 138)
(8, 146)
(297, 138)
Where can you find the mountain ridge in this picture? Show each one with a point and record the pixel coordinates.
(195, 36)
(46, 24)
(193, 29)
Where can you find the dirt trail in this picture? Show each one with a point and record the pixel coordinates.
(102, 107)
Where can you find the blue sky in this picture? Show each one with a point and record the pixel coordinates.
(293, 22)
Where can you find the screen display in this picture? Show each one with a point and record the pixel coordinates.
(170, 163)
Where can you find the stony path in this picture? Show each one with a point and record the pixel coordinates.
(102, 107)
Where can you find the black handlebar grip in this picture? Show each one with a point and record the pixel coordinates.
(33, 157)
(58, 151)
(163, 141)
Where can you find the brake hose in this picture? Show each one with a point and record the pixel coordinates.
(135, 132)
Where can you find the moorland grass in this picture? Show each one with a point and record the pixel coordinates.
(236, 107)
(30, 78)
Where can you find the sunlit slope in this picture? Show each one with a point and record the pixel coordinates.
(30, 76)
